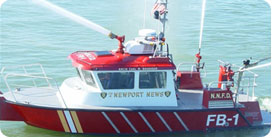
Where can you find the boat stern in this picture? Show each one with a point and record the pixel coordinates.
(255, 115)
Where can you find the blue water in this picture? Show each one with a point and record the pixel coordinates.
(233, 31)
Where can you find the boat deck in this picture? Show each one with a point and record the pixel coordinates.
(49, 97)
(36, 96)
(187, 100)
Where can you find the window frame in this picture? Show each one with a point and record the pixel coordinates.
(155, 71)
(78, 70)
(101, 85)
(93, 77)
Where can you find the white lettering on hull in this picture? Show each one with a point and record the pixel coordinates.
(165, 94)
(222, 119)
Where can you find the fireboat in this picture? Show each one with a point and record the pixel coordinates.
(134, 89)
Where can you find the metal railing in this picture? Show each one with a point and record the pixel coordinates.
(193, 68)
(46, 83)
(224, 83)
(24, 68)
(248, 84)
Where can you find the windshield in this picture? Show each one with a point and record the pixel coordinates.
(117, 80)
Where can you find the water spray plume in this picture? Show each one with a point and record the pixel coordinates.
(2, 2)
(256, 67)
(74, 17)
(202, 24)
(198, 56)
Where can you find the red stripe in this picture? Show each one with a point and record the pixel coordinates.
(155, 121)
(155, 6)
(172, 121)
(137, 122)
(94, 122)
(119, 122)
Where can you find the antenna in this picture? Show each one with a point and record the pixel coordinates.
(160, 12)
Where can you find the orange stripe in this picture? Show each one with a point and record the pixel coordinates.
(76, 121)
(63, 121)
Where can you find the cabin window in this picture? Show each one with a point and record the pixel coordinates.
(88, 78)
(117, 80)
(152, 80)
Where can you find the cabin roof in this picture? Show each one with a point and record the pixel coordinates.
(109, 60)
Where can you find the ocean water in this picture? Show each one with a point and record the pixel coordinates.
(234, 30)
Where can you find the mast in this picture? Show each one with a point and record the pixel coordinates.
(160, 13)
(164, 19)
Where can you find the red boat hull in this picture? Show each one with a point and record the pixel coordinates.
(134, 121)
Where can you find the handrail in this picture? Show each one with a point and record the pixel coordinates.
(25, 71)
(192, 67)
(216, 82)
(22, 75)
(17, 66)
(31, 76)
(248, 86)
(234, 65)
(182, 63)
(242, 79)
